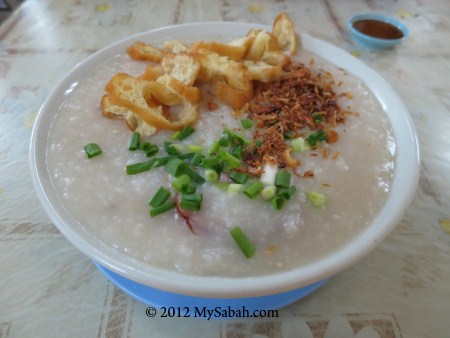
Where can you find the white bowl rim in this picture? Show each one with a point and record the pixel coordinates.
(401, 195)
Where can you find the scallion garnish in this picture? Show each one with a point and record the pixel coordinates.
(194, 148)
(92, 150)
(171, 149)
(214, 148)
(236, 136)
(162, 208)
(148, 148)
(288, 135)
(185, 132)
(197, 159)
(243, 242)
(176, 167)
(181, 181)
(191, 201)
(229, 159)
(210, 162)
(211, 175)
(288, 193)
(258, 143)
(234, 188)
(317, 199)
(277, 202)
(317, 117)
(196, 177)
(283, 179)
(238, 177)
(174, 136)
(185, 156)
(317, 136)
(253, 189)
(160, 197)
(188, 188)
(246, 123)
(224, 140)
(133, 144)
(299, 144)
(160, 161)
(268, 192)
(136, 168)
(237, 152)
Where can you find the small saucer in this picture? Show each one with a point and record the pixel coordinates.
(370, 41)
(160, 298)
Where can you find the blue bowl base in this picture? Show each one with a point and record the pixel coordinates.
(159, 298)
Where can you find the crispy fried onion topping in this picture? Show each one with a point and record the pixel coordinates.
(299, 100)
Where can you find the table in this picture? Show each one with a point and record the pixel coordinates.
(49, 289)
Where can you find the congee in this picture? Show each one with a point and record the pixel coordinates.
(295, 173)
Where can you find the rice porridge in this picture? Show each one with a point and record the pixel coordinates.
(113, 206)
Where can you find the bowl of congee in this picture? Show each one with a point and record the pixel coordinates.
(224, 163)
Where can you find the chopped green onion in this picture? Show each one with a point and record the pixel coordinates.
(283, 179)
(148, 148)
(211, 175)
(268, 192)
(238, 177)
(246, 123)
(243, 242)
(210, 162)
(234, 188)
(185, 132)
(194, 148)
(253, 190)
(269, 174)
(299, 144)
(196, 177)
(160, 161)
(174, 136)
(136, 168)
(170, 148)
(186, 156)
(237, 152)
(317, 117)
(188, 188)
(92, 149)
(160, 197)
(317, 136)
(191, 201)
(258, 143)
(229, 159)
(176, 167)
(180, 182)
(162, 208)
(277, 202)
(224, 140)
(236, 136)
(197, 159)
(213, 148)
(133, 144)
(288, 193)
(222, 185)
(317, 199)
(288, 135)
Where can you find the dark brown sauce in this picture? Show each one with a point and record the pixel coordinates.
(378, 29)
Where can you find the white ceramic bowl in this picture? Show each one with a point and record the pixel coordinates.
(403, 185)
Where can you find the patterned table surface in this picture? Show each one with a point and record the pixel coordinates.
(49, 289)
